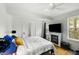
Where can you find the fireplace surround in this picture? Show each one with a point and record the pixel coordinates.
(55, 38)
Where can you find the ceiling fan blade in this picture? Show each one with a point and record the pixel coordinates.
(55, 5)
(59, 4)
(52, 6)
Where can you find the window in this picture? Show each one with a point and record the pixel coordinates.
(73, 28)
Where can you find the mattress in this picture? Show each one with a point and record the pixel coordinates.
(34, 46)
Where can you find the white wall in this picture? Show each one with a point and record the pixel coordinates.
(63, 19)
(21, 24)
(5, 20)
(22, 17)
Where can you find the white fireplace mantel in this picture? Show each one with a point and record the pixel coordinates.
(59, 37)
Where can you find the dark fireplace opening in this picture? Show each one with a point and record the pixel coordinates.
(54, 39)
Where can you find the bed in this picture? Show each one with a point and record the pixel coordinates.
(34, 46)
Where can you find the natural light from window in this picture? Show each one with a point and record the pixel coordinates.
(73, 28)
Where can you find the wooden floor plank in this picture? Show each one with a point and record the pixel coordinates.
(61, 51)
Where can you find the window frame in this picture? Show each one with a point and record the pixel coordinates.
(68, 29)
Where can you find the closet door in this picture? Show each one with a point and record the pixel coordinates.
(36, 29)
(33, 29)
(26, 29)
(39, 29)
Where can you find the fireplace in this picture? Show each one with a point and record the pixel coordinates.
(56, 38)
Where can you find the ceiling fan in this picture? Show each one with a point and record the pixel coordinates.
(54, 6)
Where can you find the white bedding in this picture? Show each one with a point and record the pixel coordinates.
(34, 46)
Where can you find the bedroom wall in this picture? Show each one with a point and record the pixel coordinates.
(63, 19)
(24, 24)
(5, 20)
(22, 18)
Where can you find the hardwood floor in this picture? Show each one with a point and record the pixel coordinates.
(61, 51)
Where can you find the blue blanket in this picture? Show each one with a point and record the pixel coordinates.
(10, 50)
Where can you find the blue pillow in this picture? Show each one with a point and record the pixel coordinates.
(12, 49)
(8, 38)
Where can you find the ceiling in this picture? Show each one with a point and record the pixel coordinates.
(40, 9)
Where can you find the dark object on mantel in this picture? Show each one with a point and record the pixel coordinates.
(65, 45)
(55, 28)
(13, 31)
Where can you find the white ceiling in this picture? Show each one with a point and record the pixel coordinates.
(39, 9)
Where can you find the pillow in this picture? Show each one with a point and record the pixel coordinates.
(4, 45)
(18, 41)
(12, 49)
(8, 38)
